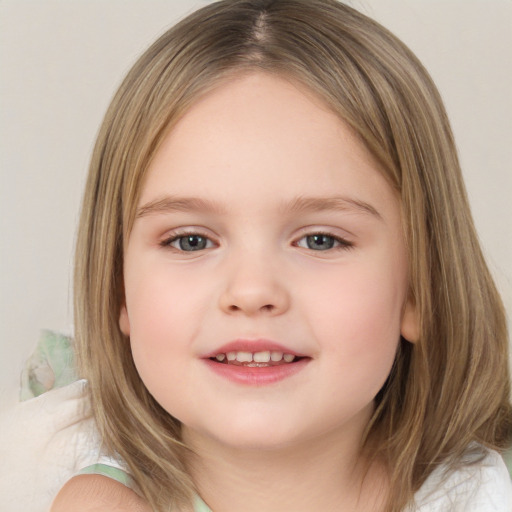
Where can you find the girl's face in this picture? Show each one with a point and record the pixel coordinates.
(266, 273)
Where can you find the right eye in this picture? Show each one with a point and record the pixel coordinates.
(189, 242)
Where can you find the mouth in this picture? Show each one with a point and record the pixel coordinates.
(256, 362)
(262, 359)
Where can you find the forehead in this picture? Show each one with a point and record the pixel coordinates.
(259, 134)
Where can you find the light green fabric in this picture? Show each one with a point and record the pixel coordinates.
(201, 506)
(51, 365)
(115, 473)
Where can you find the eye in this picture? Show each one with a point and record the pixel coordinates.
(322, 242)
(189, 242)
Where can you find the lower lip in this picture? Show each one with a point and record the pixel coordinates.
(256, 376)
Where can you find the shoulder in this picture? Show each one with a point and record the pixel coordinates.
(96, 493)
(481, 485)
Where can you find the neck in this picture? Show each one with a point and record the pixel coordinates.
(327, 474)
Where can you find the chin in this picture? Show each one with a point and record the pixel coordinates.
(254, 436)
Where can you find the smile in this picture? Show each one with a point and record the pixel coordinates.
(255, 362)
(255, 359)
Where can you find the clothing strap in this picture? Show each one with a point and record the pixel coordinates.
(109, 471)
(200, 505)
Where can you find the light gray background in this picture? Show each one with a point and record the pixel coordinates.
(60, 63)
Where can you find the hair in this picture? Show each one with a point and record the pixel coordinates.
(446, 392)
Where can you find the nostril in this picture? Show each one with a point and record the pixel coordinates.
(267, 307)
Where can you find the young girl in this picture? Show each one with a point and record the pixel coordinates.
(281, 303)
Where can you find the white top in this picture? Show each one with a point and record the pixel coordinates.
(483, 487)
(47, 440)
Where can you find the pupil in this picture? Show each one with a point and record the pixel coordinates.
(320, 242)
(192, 243)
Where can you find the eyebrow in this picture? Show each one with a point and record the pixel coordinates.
(171, 204)
(336, 203)
(300, 204)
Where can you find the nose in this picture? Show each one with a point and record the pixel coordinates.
(254, 286)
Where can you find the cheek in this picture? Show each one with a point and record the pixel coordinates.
(357, 315)
(163, 314)
(161, 302)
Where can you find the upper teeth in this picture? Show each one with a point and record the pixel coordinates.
(257, 357)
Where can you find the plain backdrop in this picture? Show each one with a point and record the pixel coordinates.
(60, 63)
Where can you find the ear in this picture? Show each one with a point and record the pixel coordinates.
(124, 321)
(410, 326)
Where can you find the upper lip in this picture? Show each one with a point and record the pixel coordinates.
(257, 345)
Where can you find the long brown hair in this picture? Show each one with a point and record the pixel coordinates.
(447, 391)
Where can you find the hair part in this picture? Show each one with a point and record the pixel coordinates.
(448, 390)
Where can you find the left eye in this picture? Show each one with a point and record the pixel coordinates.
(321, 242)
(190, 243)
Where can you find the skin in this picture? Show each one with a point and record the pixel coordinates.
(235, 170)
(95, 493)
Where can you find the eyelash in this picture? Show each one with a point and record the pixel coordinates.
(342, 244)
(338, 242)
(176, 237)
